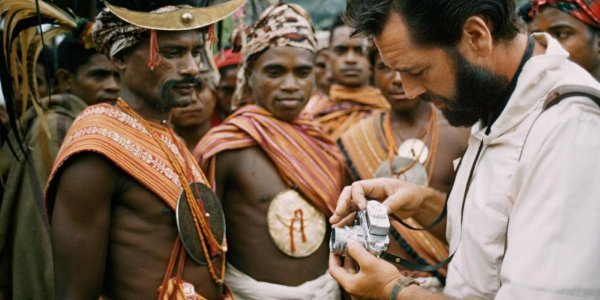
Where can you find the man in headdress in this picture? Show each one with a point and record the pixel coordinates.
(124, 196)
(351, 96)
(415, 143)
(276, 173)
(575, 24)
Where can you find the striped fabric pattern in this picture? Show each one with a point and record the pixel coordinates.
(588, 11)
(109, 131)
(302, 154)
(345, 107)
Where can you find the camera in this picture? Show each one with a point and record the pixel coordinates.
(370, 228)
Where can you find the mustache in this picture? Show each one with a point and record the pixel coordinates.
(169, 84)
(450, 105)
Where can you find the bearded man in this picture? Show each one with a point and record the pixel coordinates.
(124, 196)
(511, 216)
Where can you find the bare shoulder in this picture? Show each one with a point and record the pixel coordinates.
(85, 180)
(454, 138)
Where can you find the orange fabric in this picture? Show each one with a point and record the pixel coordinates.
(109, 131)
(299, 150)
(345, 107)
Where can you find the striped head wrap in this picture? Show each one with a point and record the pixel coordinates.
(280, 25)
(587, 11)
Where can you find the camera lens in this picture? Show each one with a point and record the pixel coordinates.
(338, 240)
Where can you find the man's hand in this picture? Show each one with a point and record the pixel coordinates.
(375, 278)
(400, 197)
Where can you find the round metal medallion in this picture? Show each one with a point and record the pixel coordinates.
(185, 221)
(296, 227)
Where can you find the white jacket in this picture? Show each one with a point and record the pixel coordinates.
(551, 195)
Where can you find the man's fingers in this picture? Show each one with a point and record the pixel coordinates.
(349, 264)
(343, 207)
(347, 221)
(337, 271)
(405, 200)
(358, 252)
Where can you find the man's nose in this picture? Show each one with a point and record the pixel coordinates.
(190, 65)
(289, 83)
(412, 87)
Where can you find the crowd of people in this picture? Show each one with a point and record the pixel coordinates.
(135, 164)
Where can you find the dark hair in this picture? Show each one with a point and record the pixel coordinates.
(224, 70)
(434, 22)
(46, 59)
(338, 22)
(523, 12)
(71, 54)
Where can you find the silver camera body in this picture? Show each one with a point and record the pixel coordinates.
(370, 228)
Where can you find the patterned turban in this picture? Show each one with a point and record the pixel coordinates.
(112, 35)
(587, 11)
(280, 25)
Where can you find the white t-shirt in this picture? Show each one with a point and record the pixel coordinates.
(550, 248)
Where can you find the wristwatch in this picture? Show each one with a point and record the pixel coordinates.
(400, 284)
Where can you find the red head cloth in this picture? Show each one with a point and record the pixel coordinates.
(228, 58)
(587, 11)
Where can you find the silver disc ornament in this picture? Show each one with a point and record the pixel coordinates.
(414, 149)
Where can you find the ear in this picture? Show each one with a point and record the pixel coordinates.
(477, 40)
(63, 79)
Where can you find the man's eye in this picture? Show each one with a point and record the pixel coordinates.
(169, 54)
(340, 50)
(561, 35)
(274, 73)
(303, 73)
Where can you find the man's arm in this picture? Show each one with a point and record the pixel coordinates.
(402, 198)
(81, 225)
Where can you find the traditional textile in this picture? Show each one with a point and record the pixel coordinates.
(123, 139)
(345, 107)
(26, 268)
(245, 287)
(530, 228)
(280, 25)
(587, 11)
(228, 58)
(365, 147)
(302, 155)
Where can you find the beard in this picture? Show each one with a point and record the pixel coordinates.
(478, 93)
(167, 99)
